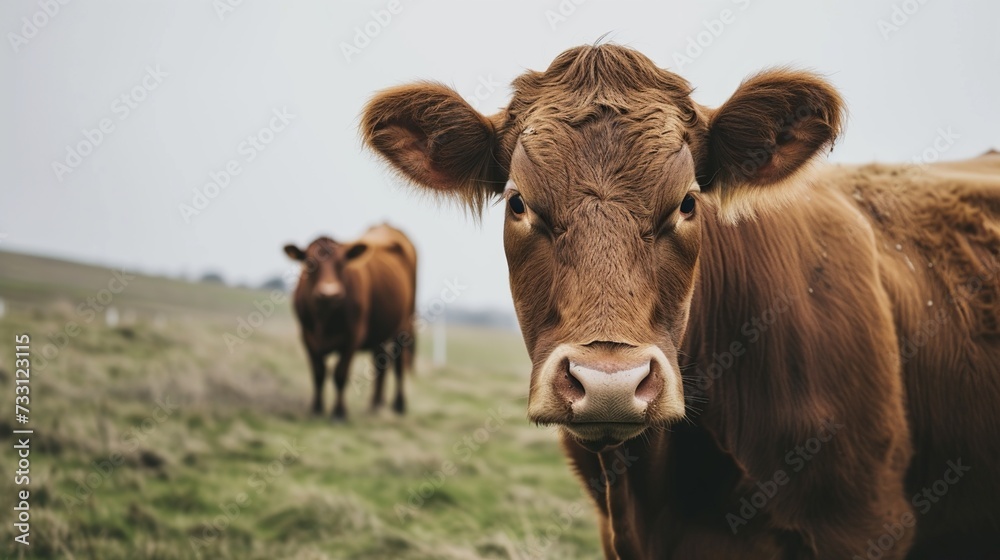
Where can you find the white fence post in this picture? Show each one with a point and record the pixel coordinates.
(440, 342)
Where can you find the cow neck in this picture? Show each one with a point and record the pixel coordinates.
(659, 485)
(621, 501)
(742, 334)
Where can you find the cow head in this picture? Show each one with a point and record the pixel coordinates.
(609, 172)
(323, 265)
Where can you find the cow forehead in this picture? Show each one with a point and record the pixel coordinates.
(323, 247)
(648, 124)
(614, 159)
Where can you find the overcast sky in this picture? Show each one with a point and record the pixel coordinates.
(199, 79)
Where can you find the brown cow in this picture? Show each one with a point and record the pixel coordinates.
(357, 296)
(749, 356)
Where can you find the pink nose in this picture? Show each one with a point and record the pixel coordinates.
(609, 390)
(602, 390)
(329, 290)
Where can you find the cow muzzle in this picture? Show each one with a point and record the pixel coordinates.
(332, 291)
(604, 393)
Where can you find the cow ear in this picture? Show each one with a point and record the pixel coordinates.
(771, 127)
(436, 140)
(355, 251)
(295, 253)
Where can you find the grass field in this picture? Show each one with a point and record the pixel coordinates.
(156, 439)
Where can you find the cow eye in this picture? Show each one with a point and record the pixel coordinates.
(516, 204)
(687, 205)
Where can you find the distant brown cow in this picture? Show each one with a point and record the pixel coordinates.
(823, 342)
(357, 296)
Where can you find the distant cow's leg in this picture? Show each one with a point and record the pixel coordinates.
(340, 372)
(318, 365)
(410, 348)
(399, 404)
(381, 360)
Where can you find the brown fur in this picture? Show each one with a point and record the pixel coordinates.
(859, 297)
(374, 311)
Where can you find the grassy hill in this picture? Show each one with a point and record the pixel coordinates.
(154, 438)
(31, 279)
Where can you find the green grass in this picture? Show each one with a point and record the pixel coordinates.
(229, 464)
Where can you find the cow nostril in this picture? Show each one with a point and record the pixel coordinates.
(574, 390)
(649, 387)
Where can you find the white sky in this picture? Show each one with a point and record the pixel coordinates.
(224, 76)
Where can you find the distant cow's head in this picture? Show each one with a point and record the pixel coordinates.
(323, 265)
(609, 171)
